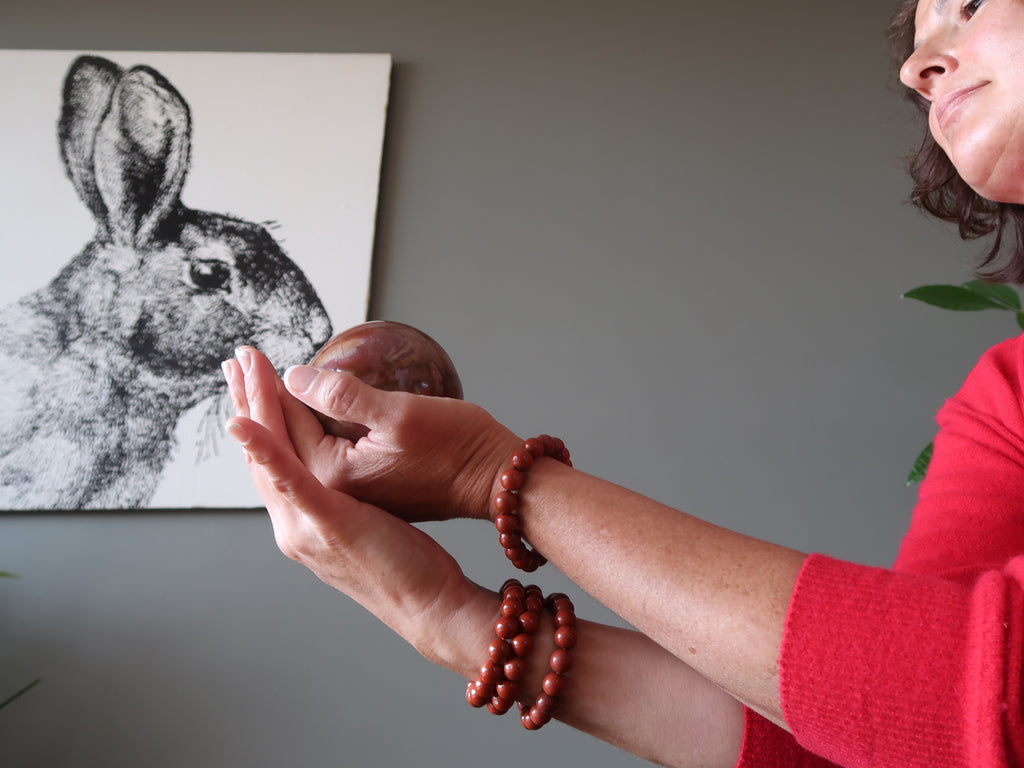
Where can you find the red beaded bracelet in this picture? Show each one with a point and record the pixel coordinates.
(533, 717)
(498, 683)
(506, 501)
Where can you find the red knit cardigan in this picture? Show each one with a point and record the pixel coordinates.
(920, 665)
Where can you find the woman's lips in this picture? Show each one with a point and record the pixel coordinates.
(947, 107)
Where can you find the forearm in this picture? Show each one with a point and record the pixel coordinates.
(715, 599)
(629, 691)
(623, 688)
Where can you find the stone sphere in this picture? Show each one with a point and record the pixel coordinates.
(390, 356)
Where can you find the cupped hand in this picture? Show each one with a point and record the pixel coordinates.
(424, 458)
(390, 567)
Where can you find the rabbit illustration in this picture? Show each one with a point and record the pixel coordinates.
(100, 363)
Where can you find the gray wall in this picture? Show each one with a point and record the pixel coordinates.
(670, 232)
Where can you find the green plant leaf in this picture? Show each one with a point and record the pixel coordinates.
(920, 468)
(997, 292)
(26, 689)
(1020, 320)
(955, 297)
(6, 575)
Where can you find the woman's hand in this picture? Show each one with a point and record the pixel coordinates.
(390, 567)
(425, 458)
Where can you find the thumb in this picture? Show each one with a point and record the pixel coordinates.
(338, 395)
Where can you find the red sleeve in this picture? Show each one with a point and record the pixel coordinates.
(920, 665)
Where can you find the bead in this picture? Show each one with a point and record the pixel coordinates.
(522, 645)
(529, 621)
(553, 684)
(564, 604)
(535, 447)
(499, 650)
(560, 661)
(506, 502)
(515, 669)
(499, 706)
(510, 540)
(507, 689)
(539, 716)
(525, 563)
(527, 721)
(507, 523)
(512, 479)
(565, 619)
(545, 704)
(479, 694)
(513, 587)
(534, 604)
(491, 673)
(565, 637)
(512, 606)
(522, 460)
(506, 627)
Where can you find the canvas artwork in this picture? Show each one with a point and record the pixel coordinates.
(156, 211)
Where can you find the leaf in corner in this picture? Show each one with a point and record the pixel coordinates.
(920, 468)
(955, 297)
(1002, 294)
(24, 690)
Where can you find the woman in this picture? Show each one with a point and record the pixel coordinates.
(744, 651)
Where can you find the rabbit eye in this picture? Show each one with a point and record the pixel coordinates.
(209, 275)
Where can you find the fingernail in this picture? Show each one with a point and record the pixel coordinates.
(235, 430)
(244, 358)
(299, 378)
(226, 369)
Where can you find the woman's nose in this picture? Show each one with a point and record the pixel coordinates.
(926, 66)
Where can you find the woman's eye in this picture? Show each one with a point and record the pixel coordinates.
(968, 10)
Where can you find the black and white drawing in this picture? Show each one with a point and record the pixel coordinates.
(105, 359)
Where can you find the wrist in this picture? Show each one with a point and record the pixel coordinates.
(506, 500)
(471, 490)
(456, 627)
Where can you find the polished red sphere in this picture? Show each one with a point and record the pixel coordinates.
(390, 356)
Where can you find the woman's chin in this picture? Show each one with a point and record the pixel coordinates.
(995, 175)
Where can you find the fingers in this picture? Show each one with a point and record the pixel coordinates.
(262, 390)
(341, 396)
(287, 487)
(258, 394)
(236, 386)
(266, 409)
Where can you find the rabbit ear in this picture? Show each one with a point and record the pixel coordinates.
(88, 88)
(142, 155)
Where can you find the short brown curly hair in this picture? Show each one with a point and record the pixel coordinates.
(939, 190)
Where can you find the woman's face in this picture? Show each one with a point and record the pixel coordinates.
(968, 63)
